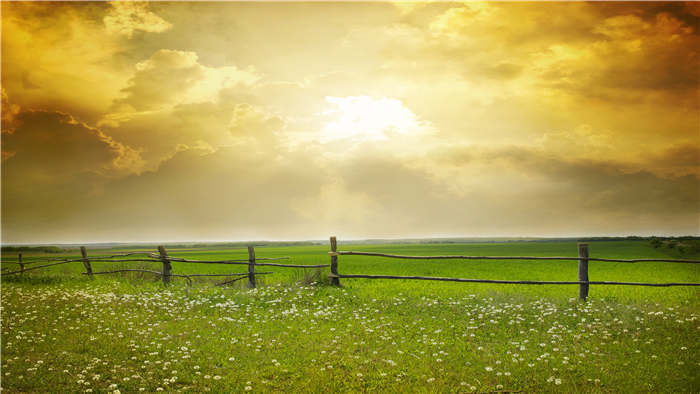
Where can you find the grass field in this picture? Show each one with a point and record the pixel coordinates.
(63, 332)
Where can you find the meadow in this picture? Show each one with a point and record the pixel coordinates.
(64, 332)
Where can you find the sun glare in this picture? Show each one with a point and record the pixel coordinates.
(363, 118)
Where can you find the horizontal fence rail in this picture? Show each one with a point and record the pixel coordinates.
(399, 256)
(583, 281)
(514, 282)
(164, 259)
(245, 262)
(34, 260)
(189, 280)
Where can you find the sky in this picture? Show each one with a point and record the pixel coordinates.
(226, 121)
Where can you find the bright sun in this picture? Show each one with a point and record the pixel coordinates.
(363, 118)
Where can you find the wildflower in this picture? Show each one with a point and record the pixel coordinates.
(248, 388)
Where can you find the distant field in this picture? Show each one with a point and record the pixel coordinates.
(64, 332)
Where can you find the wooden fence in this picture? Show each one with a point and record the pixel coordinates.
(162, 257)
(583, 259)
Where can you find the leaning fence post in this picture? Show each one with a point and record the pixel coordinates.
(21, 264)
(335, 281)
(166, 264)
(583, 271)
(86, 262)
(251, 267)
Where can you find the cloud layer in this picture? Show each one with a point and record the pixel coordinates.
(138, 121)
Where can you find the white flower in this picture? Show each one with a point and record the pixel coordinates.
(248, 388)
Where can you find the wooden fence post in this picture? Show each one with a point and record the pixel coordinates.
(251, 267)
(335, 281)
(86, 262)
(583, 271)
(166, 265)
(21, 264)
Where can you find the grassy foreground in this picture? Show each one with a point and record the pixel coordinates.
(66, 333)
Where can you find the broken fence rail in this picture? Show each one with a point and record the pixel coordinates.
(163, 257)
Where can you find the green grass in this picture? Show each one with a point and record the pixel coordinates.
(61, 330)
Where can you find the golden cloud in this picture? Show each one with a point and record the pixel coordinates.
(44, 146)
(126, 17)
